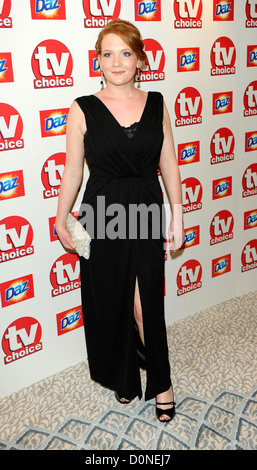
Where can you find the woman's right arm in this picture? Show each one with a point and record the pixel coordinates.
(73, 171)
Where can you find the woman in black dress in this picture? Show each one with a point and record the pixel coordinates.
(124, 134)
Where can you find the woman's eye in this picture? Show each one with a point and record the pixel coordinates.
(127, 54)
(107, 54)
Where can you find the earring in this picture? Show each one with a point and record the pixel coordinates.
(138, 78)
(102, 80)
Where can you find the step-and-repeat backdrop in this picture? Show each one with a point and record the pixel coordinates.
(203, 57)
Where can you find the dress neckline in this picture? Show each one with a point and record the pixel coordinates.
(114, 118)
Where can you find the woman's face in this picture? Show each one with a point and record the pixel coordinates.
(117, 60)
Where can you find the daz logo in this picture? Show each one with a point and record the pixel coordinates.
(189, 277)
(5, 8)
(69, 320)
(251, 56)
(223, 10)
(52, 65)
(147, 10)
(223, 57)
(188, 13)
(16, 236)
(221, 228)
(249, 181)
(47, 9)
(222, 146)
(155, 62)
(188, 59)
(21, 338)
(221, 265)
(188, 107)
(6, 71)
(65, 274)
(192, 236)
(17, 290)
(53, 122)
(192, 192)
(250, 141)
(94, 67)
(100, 12)
(249, 256)
(189, 152)
(222, 187)
(11, 185)
(250, 219)
(11, 128)
(222, 103)
(51, 174)
(250, 99)
(251, 13)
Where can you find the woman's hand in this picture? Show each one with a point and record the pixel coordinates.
(176, 233)
(65, 238)
(176, 236)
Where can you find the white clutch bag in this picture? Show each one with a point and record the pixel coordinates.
(79, 236)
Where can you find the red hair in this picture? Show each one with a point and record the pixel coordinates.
(128, 33)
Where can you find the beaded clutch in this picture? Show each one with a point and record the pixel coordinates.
(79, 236)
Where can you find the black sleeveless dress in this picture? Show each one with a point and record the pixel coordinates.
(123, 176)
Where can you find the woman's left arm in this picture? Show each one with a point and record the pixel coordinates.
(172, 182)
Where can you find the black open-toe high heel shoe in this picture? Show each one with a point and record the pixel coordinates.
(170, 412)
(122, 400)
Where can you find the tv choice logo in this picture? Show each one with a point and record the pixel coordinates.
(11, 185)
(188, 59)
(189, 152)
(6, 68)
(148, 10)
(52, 65)
(223, 57)
(188, 14)
(51, 174)
(221, 227)
(155, 62)
(250, 141)
(192, 192)
(53, 122)
(249, 181)
(251, 56)
(188, 107)
(21, 339)
(16, 238)
(65, 274)
(221, 265)
(251, 14)
(17, 290)
(223, 10)
(249, 256)
(47, 9)
(222, 146)
(192, 237)
(250, 219)
(69, 320)
(222, 187)
(189, 277)
(5, 9)
(222, 103)
(100, 12)
(11, 128)
(250, 99)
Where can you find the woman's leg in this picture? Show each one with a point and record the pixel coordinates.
(166, 396)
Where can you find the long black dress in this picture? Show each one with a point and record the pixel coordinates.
(123, 171)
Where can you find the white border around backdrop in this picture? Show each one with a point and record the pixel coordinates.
(32, 347)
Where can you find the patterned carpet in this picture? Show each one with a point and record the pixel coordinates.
(214, 372)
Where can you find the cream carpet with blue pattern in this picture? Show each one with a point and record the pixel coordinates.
(213, 357)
